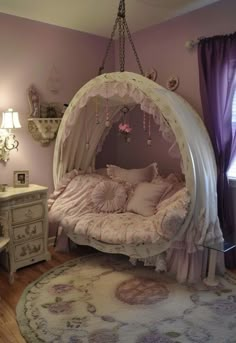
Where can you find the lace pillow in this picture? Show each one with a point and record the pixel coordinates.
(145, 198)
(132, 176)
(108, 196)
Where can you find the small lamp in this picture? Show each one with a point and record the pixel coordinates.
(10, 120)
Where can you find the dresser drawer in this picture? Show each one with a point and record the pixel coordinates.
(28, 231)
(27, 213)
(29, 249)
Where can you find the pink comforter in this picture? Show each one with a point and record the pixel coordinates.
(71, 207)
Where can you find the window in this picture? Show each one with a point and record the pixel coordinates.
(232, 169)
(234, 112)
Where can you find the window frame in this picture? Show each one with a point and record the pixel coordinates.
(231, 173)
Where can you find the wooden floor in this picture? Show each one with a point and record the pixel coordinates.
(10, 294)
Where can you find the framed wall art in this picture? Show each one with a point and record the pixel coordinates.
(172, 83)
(21, 178)
(151, 74)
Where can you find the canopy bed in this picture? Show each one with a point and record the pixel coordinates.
(80, 137)
(178, 227)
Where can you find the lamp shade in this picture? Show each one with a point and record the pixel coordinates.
(10, 120)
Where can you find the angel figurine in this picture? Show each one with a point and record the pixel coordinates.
(34, 102)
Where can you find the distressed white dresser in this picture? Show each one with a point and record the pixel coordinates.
(23, 219)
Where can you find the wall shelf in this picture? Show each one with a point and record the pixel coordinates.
(43, 130)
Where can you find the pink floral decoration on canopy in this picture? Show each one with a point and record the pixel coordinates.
(124, 128)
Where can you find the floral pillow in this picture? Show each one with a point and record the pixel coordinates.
(132, 176)
(145, 198)
(109, 196)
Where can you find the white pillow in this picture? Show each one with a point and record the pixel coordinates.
(108, 196)
(145, 198)
(132, 176)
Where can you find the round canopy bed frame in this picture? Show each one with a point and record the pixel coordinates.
(87, 121)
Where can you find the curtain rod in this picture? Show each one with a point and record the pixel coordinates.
(192, 43)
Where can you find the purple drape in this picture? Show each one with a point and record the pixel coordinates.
(217, 77)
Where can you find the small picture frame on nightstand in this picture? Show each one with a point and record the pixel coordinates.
(21, 178)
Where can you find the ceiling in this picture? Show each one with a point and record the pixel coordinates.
(98, 16)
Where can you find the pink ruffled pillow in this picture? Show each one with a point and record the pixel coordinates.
(109, 196)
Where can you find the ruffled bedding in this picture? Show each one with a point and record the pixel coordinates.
(72, 208)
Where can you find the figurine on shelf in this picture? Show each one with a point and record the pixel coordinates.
(51, 112)
(34, 102)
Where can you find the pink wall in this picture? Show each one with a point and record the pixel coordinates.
(29, 51)
(163, 47)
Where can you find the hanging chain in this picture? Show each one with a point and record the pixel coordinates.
(108, 46)
(133, 47)
(122, 44)
(121, 9)
(121, 15)
(123, 26)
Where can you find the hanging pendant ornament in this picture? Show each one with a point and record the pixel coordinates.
(149, 141)
(86, 129)
(144, 121)
(124, 112)
(96, 111)
(97, 119)
(107, 122)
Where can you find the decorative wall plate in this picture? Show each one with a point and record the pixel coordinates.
(172, 83)
(151, 74)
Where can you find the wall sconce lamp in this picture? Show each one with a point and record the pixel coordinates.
(8, 142)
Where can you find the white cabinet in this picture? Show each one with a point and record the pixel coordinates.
(24, 221)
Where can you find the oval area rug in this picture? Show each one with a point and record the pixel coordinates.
(102, 298)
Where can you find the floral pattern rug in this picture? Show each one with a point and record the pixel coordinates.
(102, 298)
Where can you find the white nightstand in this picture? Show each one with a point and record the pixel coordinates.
(24, 221)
